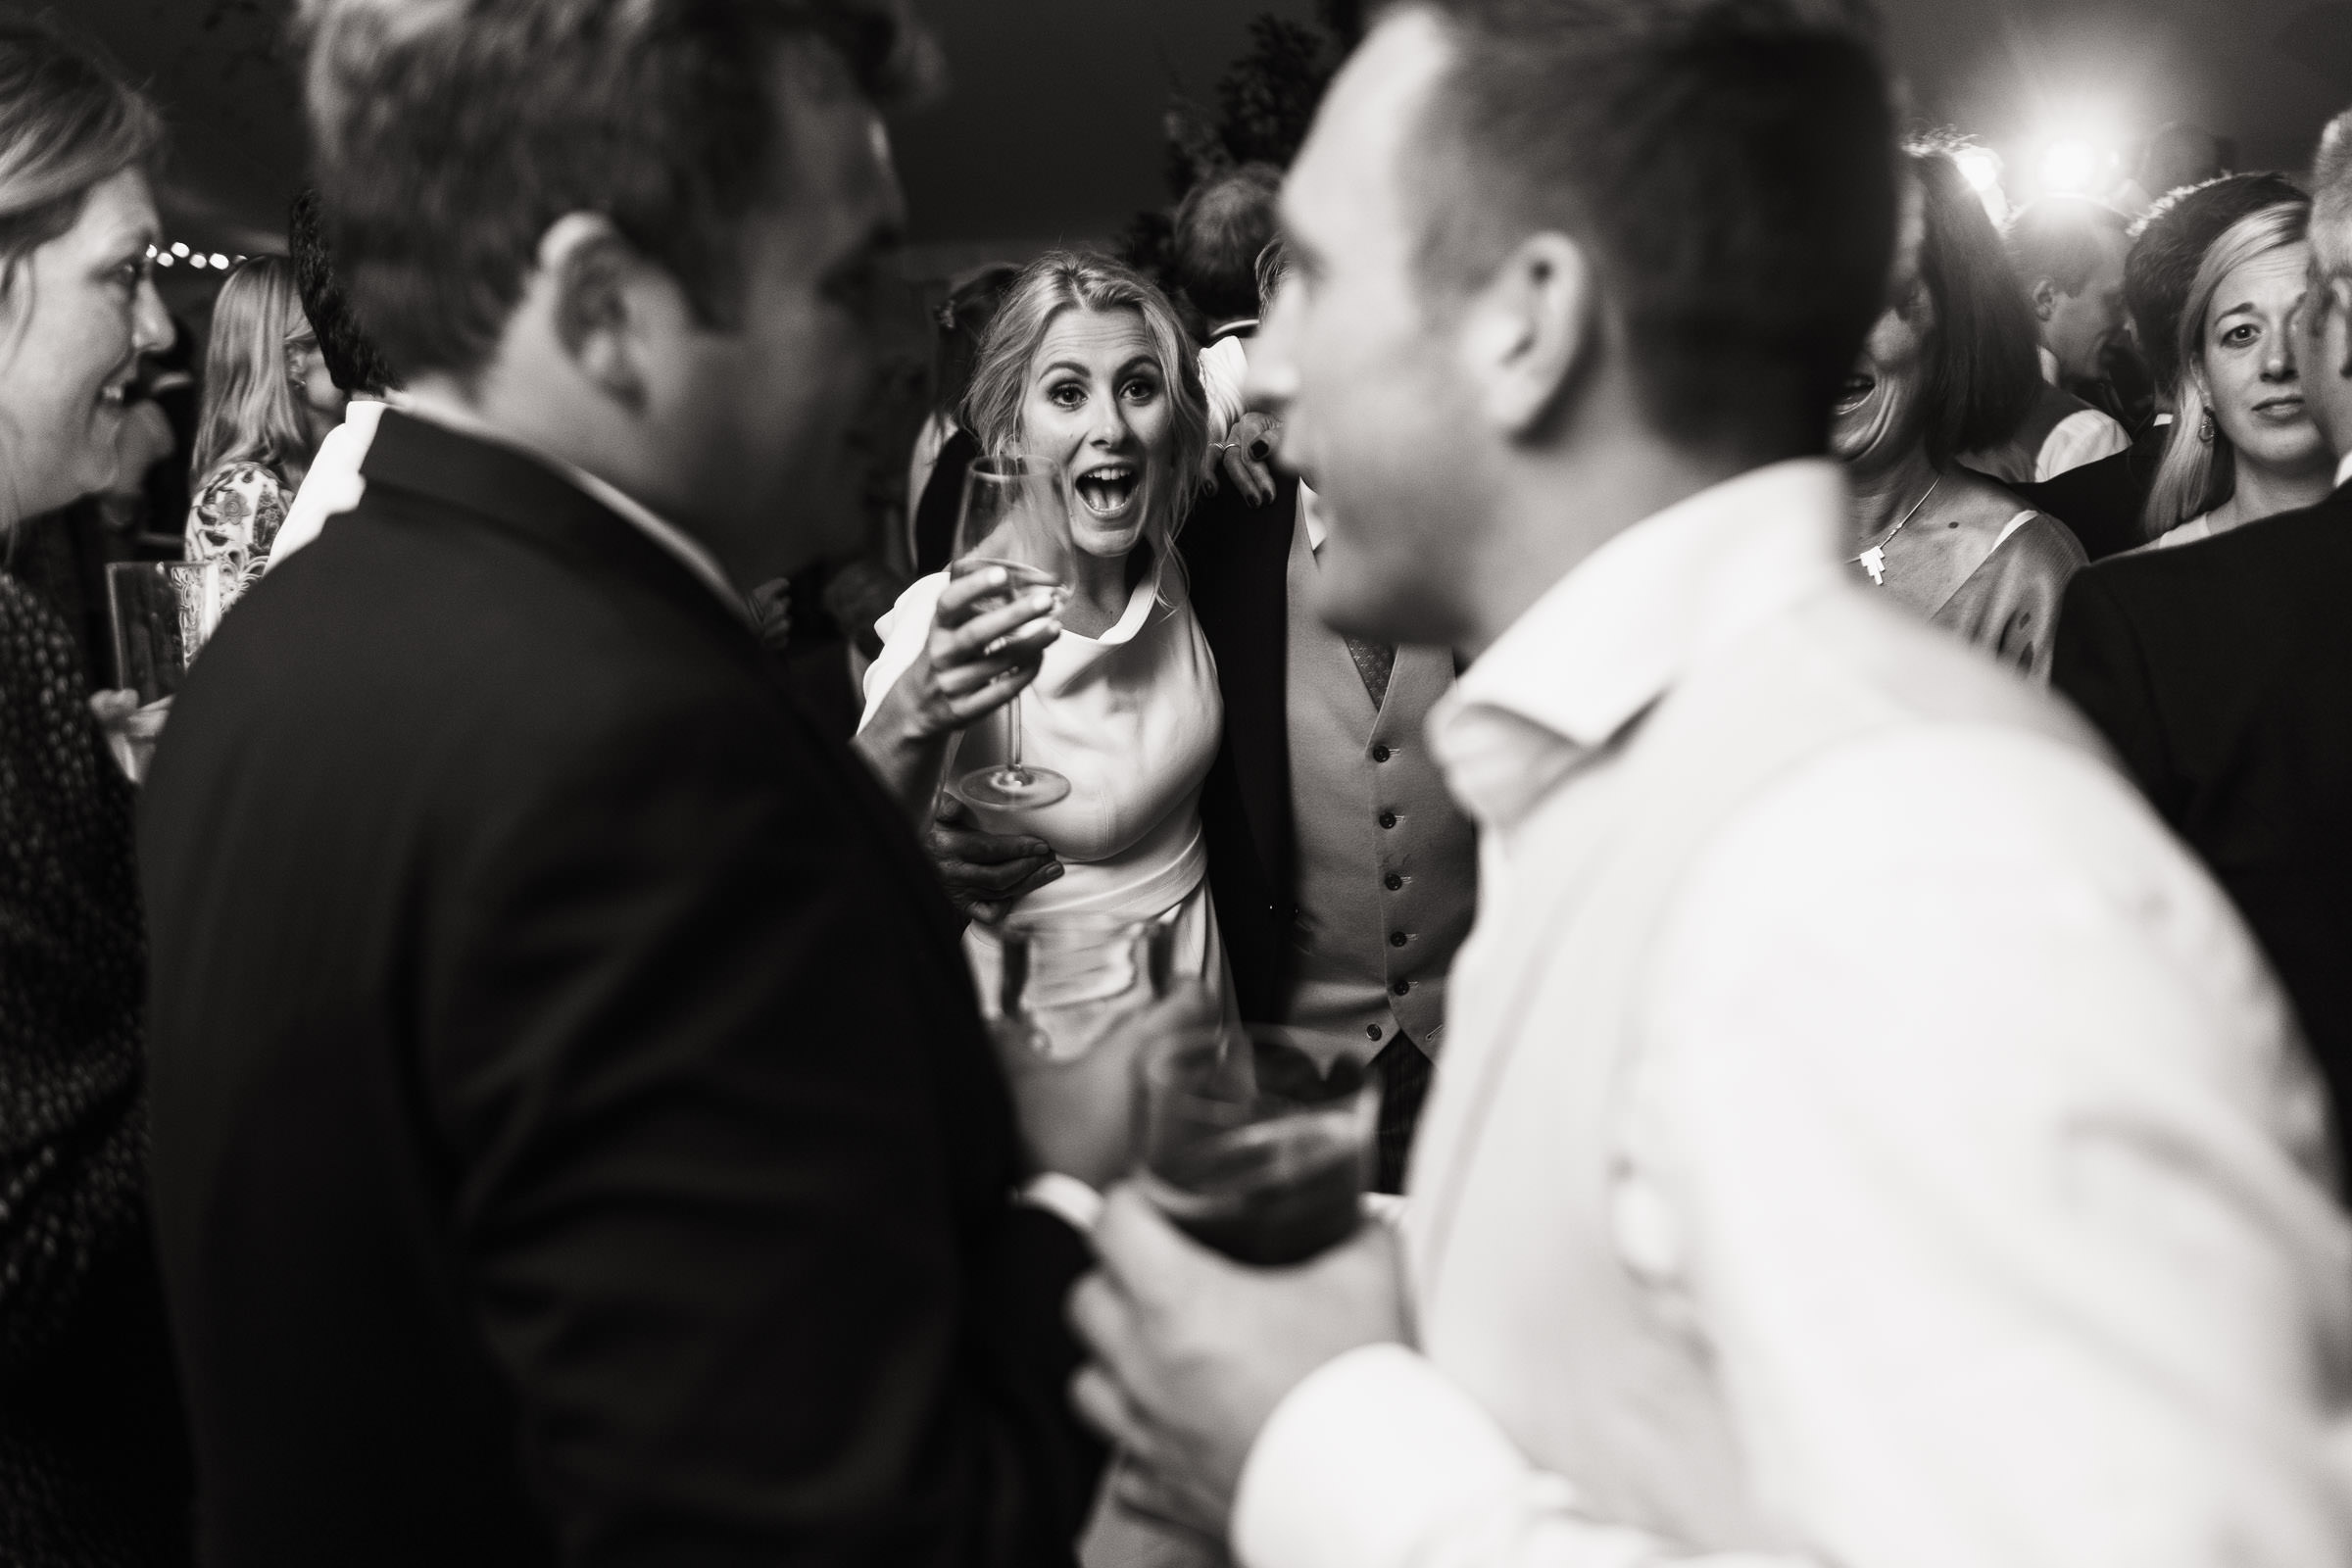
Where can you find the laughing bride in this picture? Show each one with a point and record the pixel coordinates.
(1088, 367)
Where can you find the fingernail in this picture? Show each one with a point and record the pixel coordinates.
(995, 577)
(1050, 872)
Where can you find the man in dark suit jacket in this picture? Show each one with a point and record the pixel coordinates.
(2223, 674)
(574, 1140)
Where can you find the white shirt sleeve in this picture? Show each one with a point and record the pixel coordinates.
(903, 630)
(333, 483)
(1223, 365)
(2084, 436)
(1976, 1146)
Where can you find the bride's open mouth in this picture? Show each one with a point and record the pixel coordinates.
(1857, 389)
(1109, 490)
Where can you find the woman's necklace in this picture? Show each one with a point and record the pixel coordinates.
(1873, 560)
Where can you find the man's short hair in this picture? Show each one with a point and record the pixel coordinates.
(2332, 194)
(351, 359)
(1222, 224)
(1729, 166)
(2061, 238)
(2168, 244)
(449, 134)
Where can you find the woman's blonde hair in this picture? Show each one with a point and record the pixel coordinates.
(249, 410)
(1064, 281)
(2199, 471)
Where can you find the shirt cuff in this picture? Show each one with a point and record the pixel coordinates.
(1365, 1461)
(1066, 1198)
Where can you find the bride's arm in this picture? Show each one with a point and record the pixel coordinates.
(938, 673)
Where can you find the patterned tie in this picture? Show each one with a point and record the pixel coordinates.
(1374, 661)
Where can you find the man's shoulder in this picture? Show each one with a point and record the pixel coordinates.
(2297, 554)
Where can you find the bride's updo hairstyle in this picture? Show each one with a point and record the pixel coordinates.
(1064, 281)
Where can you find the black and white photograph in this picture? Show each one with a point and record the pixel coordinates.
(1175, 783)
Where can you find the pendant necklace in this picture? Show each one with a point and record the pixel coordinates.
(1873, 560)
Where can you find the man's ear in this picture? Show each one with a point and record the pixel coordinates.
(597, 283)
(1526, 335)
(2339, 302)
(2044, 295)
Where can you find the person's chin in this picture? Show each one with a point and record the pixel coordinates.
(1104, 539)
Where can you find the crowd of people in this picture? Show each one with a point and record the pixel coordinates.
(1791, 720)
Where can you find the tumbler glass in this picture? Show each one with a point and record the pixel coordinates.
(1253, 1150)
(163, 611)
(1063, 982)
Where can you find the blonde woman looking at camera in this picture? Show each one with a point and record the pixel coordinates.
(2242, 447)
(268, 402)
(1086, 366)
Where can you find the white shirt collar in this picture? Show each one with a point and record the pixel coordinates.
(2049, 365)
(2343, 469)
(1310, 517)
(1610, 637)
(689, 551)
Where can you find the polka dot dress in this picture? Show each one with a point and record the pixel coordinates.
(73, 1118)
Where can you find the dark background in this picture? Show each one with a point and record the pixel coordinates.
(1052, 127)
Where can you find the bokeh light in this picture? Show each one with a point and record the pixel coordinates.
(2069, 164)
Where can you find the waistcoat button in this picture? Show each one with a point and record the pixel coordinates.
(1392, 881)
(1387, 820)
(1396, 939)
(1379, 753)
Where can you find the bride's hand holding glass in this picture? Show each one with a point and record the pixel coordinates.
(984, 647)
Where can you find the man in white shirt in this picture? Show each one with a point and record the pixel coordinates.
(2069, 255)
(1864, 1136)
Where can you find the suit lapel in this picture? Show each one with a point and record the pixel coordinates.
(1239, 558)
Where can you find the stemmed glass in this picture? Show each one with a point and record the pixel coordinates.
(1015, 519)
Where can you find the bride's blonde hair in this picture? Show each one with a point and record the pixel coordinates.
(1067, 280)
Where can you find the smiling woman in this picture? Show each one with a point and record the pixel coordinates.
(92, 1464)
(1086, 369)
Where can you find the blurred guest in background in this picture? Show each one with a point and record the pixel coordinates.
(1086, 366)
(2220, 673)
(2241, 445)
(2068, 254)
(93, 1467)
(1222, 223)
(269, 402)
(1949, 366)
(1223, 227)
(2103, 502)
(942, 449)
(355, 365)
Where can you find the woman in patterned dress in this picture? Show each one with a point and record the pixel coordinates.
(93, 1461)
(268, 402)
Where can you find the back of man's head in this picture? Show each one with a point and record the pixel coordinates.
(2062, 240)
(1222, 224)
(450, 134)
(2168, 244)
(351, 356)
(2332, 196)
(1729, 166)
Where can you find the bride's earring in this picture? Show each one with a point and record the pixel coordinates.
(2205, 426)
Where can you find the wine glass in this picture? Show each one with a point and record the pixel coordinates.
(1015, 519)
